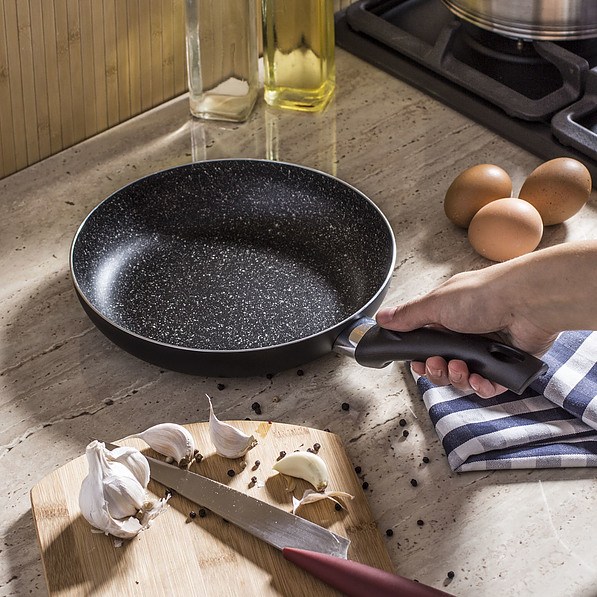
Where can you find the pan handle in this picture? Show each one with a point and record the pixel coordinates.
(377, 347)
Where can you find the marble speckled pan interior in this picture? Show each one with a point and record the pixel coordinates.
(232, 255)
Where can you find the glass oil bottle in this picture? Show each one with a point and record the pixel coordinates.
(298, 53)
(222, 60)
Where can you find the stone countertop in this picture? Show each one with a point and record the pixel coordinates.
(62, 382)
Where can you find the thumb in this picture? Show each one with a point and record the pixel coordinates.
(406, 317)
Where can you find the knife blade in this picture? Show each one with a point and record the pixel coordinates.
(264, 521)
(302, 542)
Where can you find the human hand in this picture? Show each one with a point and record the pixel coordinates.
(480, 302)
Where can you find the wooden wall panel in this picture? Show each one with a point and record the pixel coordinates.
(70, 69)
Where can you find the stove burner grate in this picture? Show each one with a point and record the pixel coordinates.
(540, 94)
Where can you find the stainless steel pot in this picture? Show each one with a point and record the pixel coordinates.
(531, 19)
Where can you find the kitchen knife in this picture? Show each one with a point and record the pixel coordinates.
(306, 544)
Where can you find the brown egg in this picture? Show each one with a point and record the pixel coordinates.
(472, 189)
(558, 189)
(505, 228)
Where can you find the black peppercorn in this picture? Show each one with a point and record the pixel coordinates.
(357, 470)
(405, 433)
(300, 372)
(389, 532)
(255, 406)
(253, 479)
(451, 574)
(317, 447)
(221, 386)
(192, 514)
(256, 465)
(231, 473)
(345, 406)
(202, 513)
(282, 454)
(425, 459)
(365, 485)
(269, 376)
(420, 522)
(413, 482)
(402, 422)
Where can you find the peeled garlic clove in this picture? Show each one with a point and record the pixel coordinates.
(305, 465)
(171, 440)
(310, 496)
(228, 441)
(111, 498)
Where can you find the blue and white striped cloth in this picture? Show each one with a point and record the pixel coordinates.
(552, 425)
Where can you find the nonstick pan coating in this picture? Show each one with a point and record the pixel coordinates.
(232, 267)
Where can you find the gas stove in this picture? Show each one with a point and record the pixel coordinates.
(541, 95)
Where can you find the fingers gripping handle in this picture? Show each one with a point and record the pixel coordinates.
(498, 362)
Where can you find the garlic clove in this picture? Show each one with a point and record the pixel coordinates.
(124, 494)
(310, 496)
(228, 441)
(95, 511)
(111, 498)
(170, 439)
(305, 465)
(133, 460)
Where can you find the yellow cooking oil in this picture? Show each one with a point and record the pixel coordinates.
(298, 53)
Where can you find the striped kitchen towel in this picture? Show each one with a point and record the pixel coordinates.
(552, 425)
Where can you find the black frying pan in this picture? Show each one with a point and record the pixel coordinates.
(241, 267)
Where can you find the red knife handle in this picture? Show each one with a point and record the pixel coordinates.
(355, 579)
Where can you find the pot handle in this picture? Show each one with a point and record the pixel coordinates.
(494, 360)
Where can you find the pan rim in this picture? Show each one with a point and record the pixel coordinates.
(210, 351)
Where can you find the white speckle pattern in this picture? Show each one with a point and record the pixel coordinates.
(232, 255)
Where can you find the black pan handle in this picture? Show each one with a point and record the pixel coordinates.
(498, 362)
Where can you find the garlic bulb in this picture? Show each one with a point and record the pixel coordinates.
(305, 465)
(170, 440)
(311, 496)
(113, 496)
(228, 441)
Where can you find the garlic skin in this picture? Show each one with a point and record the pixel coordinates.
(305, 465)
(112, 498)
(310, 496)
(228, 441)
(170, 439)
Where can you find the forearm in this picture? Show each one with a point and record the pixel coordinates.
(555, 288)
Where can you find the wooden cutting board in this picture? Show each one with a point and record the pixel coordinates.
(180, 555)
